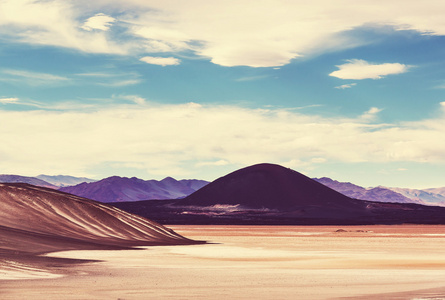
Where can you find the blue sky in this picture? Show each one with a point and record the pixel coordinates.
(350, 90)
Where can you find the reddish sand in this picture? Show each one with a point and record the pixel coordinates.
(257, 262)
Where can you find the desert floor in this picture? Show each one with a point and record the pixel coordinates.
(254, 262)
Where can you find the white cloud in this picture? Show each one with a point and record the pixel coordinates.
(346, 86)
(161, 61)
(360, 69)
(230, 33)
(164, 139)
(272, 33)
(371, 114)
(55, 23)
(99, 22)
(8, 100)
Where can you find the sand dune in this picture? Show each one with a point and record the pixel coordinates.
(36, 220)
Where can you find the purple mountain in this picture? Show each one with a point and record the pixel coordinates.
(121, 189)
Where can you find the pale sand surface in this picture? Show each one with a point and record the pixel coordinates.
(258, 262)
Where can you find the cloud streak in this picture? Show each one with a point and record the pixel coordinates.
(111, 79)
(164, 139)
(32, 78)
(346, 86)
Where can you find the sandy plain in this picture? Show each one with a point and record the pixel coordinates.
(254, 262)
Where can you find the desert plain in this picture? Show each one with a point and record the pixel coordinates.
(251, 262)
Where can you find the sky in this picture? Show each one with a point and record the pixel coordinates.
(351, 90)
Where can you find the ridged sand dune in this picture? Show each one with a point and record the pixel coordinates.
(38, 220)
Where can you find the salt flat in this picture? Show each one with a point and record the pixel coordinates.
(258, 262)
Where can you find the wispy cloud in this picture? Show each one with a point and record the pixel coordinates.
(8, 100)
(252, 78)
(174, 135)
(161, 61)
(360, 69)
(112, 79)
(132, 98)
(32, 78)
(121, 83)
(346, 86)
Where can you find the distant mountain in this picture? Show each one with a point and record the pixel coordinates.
(119, 189)
(434, 196)
(25, 179)
(272, 194)
(379, 194)
(64, 180)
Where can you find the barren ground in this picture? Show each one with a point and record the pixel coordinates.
(256, 262)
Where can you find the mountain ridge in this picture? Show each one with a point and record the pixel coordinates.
(120, 189)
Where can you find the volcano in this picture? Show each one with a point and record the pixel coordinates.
(271, 194)
(268, 186)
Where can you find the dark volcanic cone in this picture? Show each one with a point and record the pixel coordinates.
(271, 194)
(36, 220)
(273, 187)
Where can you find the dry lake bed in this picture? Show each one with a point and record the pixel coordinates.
(254, 262)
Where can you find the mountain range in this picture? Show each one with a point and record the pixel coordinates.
(117, 189)
(259, 194)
